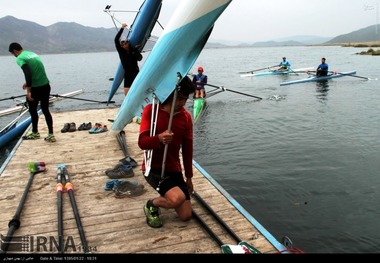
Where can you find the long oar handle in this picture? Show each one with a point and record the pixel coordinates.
(258, 69)
(238, 92)
(15, 223)
(207, 229)
(350, 75)
(293, 71)
(59, 189)
(216, 216)
(69, 187)
(61, 96)
(179, 77)
(13, 97)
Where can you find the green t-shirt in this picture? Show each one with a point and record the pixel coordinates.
(36, 67)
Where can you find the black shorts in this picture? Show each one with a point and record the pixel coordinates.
(129, 78)
(172, 179)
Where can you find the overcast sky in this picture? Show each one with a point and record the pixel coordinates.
(243, 20)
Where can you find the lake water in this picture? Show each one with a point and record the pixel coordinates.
(303, 161)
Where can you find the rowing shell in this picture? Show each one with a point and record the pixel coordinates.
(51, 100)
(315, 78)
(277, 72)
(199, 105)
(15, 130)
(172, 53)
(141, 30)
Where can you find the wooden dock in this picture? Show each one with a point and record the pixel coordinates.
(111, 224)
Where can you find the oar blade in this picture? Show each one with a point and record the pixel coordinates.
(241, 248)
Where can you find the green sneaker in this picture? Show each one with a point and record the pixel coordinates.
(152, 215)
(50, 138)
(32, 136)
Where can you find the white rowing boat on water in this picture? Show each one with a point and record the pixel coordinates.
(53, 98)
(312, 78)
(277, 72)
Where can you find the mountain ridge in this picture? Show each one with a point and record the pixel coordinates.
(71, 37)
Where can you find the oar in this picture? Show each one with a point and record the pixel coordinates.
(61, 96)
(351, 75)
(293, 71)
(179, 77)
(15, 223)
(59, 189)
(13, 97)
(238, 92)
(208, 229)
(257, 69)
(216, 216)
(70, 189)
(242, 246)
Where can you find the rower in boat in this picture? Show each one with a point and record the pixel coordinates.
(199, 81)
(284, 64)
(323, 68)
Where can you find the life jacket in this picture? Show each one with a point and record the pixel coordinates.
(201, 78)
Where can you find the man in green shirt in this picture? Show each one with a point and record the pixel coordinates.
(37, 89)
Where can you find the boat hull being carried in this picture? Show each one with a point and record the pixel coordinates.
(321, 78)
(193, 18)
(141, 30)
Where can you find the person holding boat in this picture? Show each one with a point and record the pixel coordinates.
(323, 68)
(129, 57)
(37, 89)
(199, 81)
(166, 146)
(284, 64)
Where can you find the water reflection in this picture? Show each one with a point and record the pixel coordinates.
(322, 89)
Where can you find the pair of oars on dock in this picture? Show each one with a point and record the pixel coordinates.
(62, 172)
(241, 248)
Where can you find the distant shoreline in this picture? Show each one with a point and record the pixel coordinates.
(353, 44)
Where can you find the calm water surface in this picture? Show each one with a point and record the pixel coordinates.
(303, 161)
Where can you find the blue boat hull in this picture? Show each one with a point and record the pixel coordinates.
(314, 78)
(15, 131)
(141, 30)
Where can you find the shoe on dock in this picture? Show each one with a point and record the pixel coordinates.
(50, 138)
(32, 136)
(127, 188)
(120, 171)
(152, 215)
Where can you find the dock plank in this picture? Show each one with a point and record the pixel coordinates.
(111, 224)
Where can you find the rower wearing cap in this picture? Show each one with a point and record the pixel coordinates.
(199, 81)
